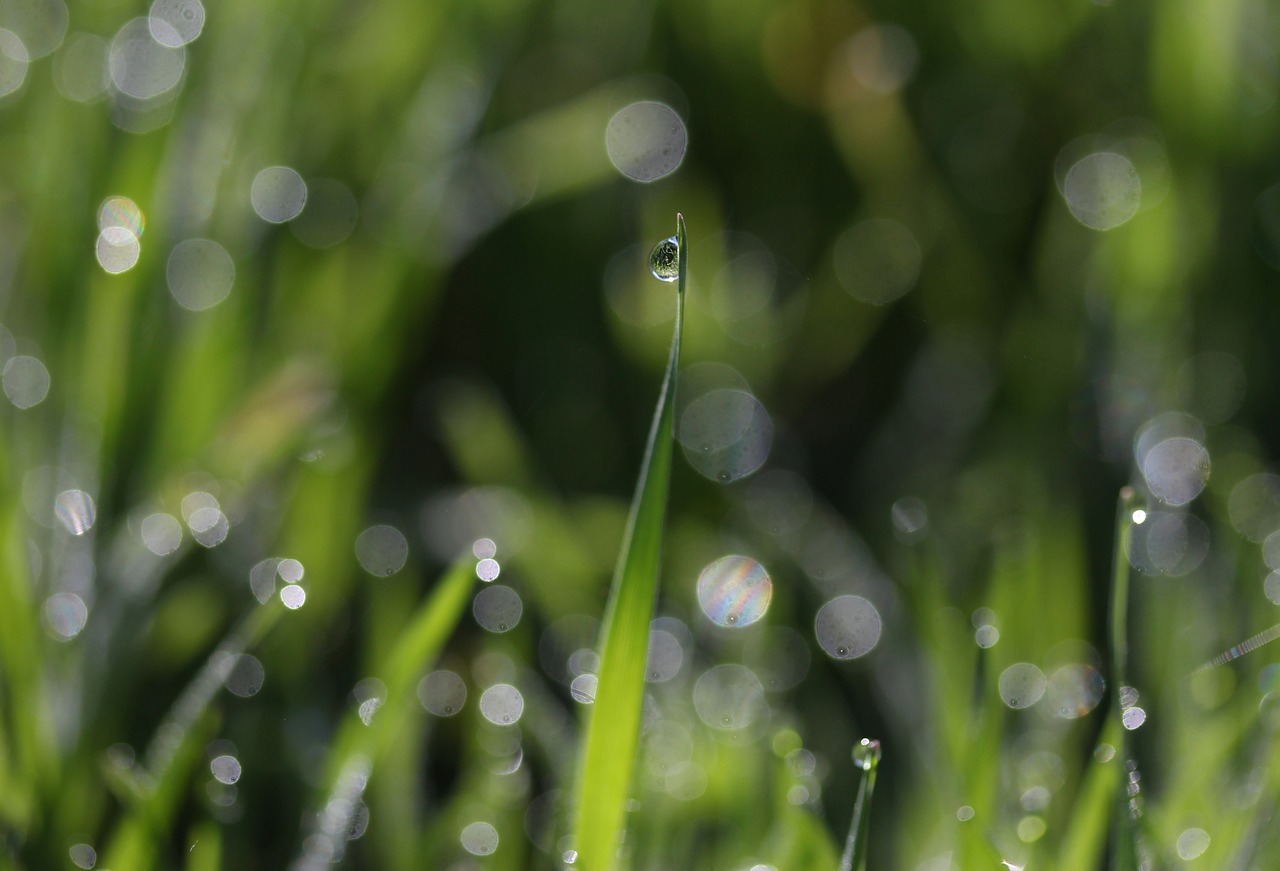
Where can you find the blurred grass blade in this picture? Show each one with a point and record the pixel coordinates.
(1126, 848)
(866, 755)
(609, 753)
(417, 648)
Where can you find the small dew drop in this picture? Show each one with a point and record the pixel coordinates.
(664, 261)
(866, 754)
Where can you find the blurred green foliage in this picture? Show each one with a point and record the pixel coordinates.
(457, 337)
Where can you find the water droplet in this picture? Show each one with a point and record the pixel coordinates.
(866, 754)
(664, 261)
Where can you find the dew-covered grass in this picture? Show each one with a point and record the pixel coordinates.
(338, 527)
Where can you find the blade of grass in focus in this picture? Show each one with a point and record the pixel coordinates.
(613, 730)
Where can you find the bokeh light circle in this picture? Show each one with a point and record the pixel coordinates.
(497, 608)
(117, 250)
(501, 704)
(646, 140)
(1103, 190)
(443, 693)
(278, 194)
(734, 591)
(847, 627)
(14, 59)
(382, 550)
(877, 260)
(726, 434)
(1021, 685)
(729, 697)
(142, 67)
(25, 380)
(200, 274)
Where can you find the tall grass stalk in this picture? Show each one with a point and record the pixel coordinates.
(866, 755)
(1126, 843)
(613, 731)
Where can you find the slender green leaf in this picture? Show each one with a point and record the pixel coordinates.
(866, 755)
(609, 753)
(416, 649)
(1126, 845)
(366, 735)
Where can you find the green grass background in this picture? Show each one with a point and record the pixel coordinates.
(463, 337)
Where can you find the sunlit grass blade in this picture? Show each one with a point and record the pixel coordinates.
(608, 755)
(866, 755)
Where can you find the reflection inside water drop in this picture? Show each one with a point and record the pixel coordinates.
(664, 260)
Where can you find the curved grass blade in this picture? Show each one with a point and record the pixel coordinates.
(609, 753)
(866, 755)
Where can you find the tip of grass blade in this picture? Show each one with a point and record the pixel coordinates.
(613, 725)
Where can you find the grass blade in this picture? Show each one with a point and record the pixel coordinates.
(416, 650)
(866, 755)
(1126, 844)
(613, 730)
(364, 738)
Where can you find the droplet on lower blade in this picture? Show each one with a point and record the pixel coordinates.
(866, 754)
